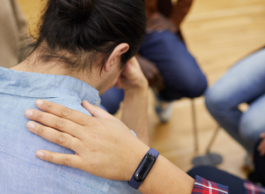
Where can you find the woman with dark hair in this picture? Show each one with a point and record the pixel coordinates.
(82, 50)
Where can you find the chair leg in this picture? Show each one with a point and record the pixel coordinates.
(208, 149)
(209, 158)
(194, 123)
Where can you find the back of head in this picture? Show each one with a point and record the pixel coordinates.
(81, 26)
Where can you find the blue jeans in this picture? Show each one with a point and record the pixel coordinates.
(180, 71)
(243, 83)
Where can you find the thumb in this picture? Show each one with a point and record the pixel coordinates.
(132, 68)
(95, 111)
(127, 69)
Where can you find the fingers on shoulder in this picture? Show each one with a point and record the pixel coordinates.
(73, 161)
(62, 111)
(54, 136)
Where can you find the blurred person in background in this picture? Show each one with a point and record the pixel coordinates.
(243, 83)
(12, 32)
(171, 70)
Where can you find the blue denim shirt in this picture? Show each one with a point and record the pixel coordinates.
(21, 172)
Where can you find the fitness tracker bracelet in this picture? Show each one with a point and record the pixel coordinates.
(144, 168)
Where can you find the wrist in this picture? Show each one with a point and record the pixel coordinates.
(139, 89)
(140, 151)
(165, 177)
(143, 169)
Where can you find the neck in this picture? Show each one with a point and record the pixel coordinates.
(55, 67)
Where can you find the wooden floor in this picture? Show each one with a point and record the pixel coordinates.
(218, 33)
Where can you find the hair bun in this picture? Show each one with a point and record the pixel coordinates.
(78, 11)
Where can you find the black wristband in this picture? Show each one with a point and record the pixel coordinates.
(144, 168)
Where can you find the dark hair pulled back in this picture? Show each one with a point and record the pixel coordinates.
(79, 26)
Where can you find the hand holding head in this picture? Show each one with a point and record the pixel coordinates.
(151, 73)
(132, 77)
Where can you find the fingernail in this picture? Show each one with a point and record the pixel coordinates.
(28, 113)
(30, 125)
(39, 102)
(40, 154)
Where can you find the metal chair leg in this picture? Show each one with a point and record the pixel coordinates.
(194, 125)
(208, 149)
(209, 158)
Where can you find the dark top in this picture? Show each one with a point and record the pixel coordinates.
(176, 12)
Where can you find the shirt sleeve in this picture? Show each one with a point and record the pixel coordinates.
(252, 188)
(202, 186)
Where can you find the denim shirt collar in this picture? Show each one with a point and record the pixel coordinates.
(39, 85)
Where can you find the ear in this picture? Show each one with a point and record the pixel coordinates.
(115, 56)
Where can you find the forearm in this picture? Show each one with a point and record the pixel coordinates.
(135, 112)
(180, 10)
(165, 177)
